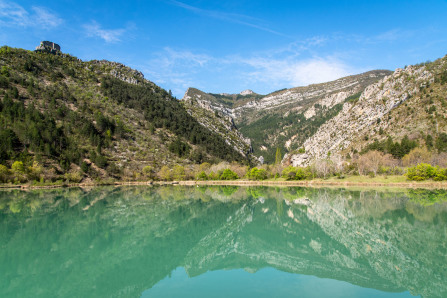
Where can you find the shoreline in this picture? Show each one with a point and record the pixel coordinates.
(300, 183)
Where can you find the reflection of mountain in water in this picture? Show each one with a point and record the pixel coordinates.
(112, 242)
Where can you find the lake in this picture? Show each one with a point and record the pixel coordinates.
(223, 241)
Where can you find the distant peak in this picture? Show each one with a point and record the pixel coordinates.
(247, 92)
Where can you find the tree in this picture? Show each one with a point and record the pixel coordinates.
(323, 167)
(178, 173)
(18, 168)
(417, 156)
(165, 173)
(370, 162)
(4, 173)
(148, 172)
(441, 142)
(278, 156)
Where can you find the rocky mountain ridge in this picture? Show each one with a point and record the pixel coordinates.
(395, 106)
(286, 111)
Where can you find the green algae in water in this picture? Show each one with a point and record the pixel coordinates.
(221, 242)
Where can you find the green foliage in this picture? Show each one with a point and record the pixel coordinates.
(278, 156)
(165, 173)
(441, 142)
(162, 110)
(178, 173)
(296, 173)
(18, 168)
(202, 176)
(228, 174)
(180, 148)
(398, 150)
(353, 98)
(4, 173)
(148, 171)
(257, 174)
(260, 131)
(425, 171)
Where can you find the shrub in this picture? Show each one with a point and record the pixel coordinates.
(202, 176)
(441, 174)
(165, 173)
(178, 173)
(288, 172)
(148, 171)
(4, 173)
(257, 174)
(422, 171)
(302, 174)
(18, 168)
(228, 174)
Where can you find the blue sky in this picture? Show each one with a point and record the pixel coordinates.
(230, 46)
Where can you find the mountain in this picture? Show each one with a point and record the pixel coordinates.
(97, 118)
(288, 117)
(410, 104)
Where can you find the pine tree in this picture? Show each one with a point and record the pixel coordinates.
(278, 156)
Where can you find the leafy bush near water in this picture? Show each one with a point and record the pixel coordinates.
(424, 171)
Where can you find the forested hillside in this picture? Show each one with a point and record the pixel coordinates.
(60, 116)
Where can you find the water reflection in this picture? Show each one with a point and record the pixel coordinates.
(112, 242)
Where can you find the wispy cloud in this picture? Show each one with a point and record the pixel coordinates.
(12, 14)
(108, 35)
(228, 17)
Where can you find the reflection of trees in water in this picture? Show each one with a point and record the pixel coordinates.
(108, 241)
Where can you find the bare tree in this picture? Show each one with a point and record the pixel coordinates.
(324, 167)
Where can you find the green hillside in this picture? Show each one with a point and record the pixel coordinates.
(94, 119)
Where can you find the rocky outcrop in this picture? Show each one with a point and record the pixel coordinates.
(49, 47)
(363, 116)
(121, 71)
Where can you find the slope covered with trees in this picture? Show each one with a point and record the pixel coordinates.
(93, 119)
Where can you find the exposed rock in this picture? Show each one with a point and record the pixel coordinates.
(48, 46)
(358, 118)
(247, 92)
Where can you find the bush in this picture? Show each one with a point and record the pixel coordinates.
(178, 173)
(165, 173)
(202, 176)
(4, 173)
(228, 174)
(257, 174)
(148, 172)
(422, 171)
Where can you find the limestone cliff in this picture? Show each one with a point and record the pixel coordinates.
(395, 106)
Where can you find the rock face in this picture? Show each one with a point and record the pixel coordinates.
(247, 92)
(379, 108)
(48, 46)
(122, 72)
(217, 121)
(285, 118)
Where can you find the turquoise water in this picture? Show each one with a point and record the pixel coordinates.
(222, 242)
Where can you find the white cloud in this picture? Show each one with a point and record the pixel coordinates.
(12, 14)
(109, 35)
(295, 72)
